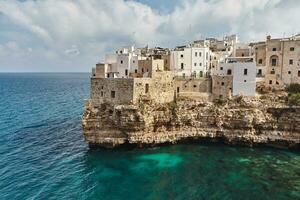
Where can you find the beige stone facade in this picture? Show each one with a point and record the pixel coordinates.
(159, 88)
(146, 67)
(221, 87)
(283, 62)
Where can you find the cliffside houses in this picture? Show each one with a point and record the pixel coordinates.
(204, 69)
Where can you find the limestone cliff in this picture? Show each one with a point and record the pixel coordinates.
(239, 121)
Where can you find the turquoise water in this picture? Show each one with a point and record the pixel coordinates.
(43, 155)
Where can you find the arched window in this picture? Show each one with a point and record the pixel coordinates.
(274, 60)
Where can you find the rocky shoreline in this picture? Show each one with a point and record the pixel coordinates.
(264, 121)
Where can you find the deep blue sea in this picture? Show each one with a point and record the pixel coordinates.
(43, 154)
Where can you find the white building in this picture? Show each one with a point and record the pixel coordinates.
(243, 72)
(123, 62)
(190, 61)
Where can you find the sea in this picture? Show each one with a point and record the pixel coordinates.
(43, 154)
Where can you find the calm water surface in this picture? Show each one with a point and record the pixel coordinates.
(43, 155)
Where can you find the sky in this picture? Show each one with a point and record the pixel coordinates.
(73, 35)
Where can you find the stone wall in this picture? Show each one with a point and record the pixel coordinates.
(221, 87)
(160, 88)
(112, 90)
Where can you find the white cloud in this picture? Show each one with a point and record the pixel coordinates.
(54, 30)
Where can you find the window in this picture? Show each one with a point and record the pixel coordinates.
(142, 70)
(181, 65)
(274, 49)
(299, 73)
(133, 61)
(201, 73)
(135, 71)
(259, 72)
(178, 89)
(121, 61)
(277, 83)
(245, 81)
(245, 71)
(126, 72)
(121, 52)
(206, 55)
(107, 75)
(243, 55)
(222, 83)
(200, 54)
(272, 71)
(113, 94)
(181, 55)
(221, 68)
(101, 94)
(291, 62)
(270, 82)
(229, 72)
(195, 86)
(289, 72)
(102, 87)
(196, 54)
(260, 61)
(146, 88)
(292, 49)
(274, 61)
(195, 64)
(200, 64)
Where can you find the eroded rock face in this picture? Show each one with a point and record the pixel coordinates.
(239, 121)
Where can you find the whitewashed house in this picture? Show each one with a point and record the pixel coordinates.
(190, 61)
(240, 74)
(123, 62)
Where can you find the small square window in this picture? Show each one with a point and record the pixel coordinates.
(292, 49)
(245, 81)
(195, 64)
(245, 71)
(289, 72)
(270, 82)
(291, 62)
(221, 68)
(195, 86)
(222, 83)
(121, 61)
(260, 61)
(181, 55)
(274, 49)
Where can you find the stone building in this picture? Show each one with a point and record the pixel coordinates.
(282, 61)
(159, 88)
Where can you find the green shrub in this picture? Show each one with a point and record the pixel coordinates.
(293, 88)
(294, 99)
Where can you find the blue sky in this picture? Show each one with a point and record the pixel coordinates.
(72, 35)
